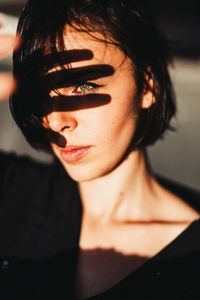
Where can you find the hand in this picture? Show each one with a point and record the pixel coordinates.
(7, 44)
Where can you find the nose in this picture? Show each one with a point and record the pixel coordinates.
(60, 121)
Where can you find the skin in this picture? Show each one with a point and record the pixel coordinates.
(7, 84)
(109, 128)
(120, 173)
(125, 211)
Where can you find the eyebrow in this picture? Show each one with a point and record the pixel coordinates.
(69, 77)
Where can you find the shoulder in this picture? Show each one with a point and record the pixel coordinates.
(177, 202)
(21, 173)
(28, 188)
(11, 163)
(187, 194)
(38, 207)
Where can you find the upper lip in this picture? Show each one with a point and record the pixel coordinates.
(73, 147)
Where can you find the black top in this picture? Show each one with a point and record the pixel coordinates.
(40, 219)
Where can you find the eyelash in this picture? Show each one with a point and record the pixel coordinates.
(91, 87)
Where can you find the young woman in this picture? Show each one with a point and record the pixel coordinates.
(94, 90)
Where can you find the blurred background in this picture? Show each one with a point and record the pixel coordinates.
(176, 156)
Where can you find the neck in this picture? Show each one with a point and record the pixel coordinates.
(119, 195)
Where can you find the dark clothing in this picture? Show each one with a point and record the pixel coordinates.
(40, 219)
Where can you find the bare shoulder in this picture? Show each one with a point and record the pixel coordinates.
(179, 202)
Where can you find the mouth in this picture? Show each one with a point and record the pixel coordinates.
(74, 153)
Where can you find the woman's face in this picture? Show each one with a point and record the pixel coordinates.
(96, 116)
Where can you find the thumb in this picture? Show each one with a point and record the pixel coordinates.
(7, 85)
(7, 43)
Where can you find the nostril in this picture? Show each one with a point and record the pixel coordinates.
(60, 121)
(65, 127)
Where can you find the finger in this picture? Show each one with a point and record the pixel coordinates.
(70, 77)
(7, 85)
(48, 62)
(73, 103)
(7, 43)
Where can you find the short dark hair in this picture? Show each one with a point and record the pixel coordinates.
(128, 24)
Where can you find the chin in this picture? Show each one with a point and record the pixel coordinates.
(85, 173)
(93, 169)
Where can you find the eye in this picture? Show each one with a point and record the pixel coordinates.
(86, 88)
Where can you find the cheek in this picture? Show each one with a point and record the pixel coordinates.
(121, 114)
(113, 123)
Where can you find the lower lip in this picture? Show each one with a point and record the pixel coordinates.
(74, 155)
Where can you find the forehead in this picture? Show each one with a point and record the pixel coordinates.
(102, 51)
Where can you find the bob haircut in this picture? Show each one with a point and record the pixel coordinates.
(128, 24)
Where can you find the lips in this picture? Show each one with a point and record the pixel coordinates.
(74, 153)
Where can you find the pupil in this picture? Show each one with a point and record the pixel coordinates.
(84, 87)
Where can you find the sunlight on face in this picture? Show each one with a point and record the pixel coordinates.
(97, 133)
